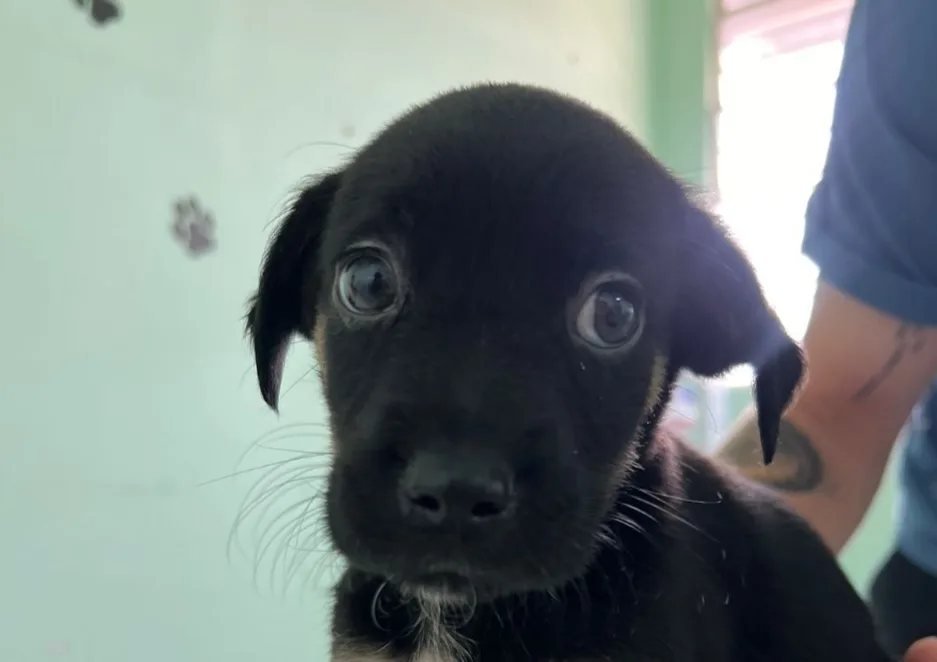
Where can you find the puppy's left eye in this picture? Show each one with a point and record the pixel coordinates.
(610, 317)
(366, 284)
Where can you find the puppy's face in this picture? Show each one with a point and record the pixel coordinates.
(500, 288)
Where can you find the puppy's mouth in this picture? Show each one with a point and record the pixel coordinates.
(447, 583)
(440, 586)
(457, 530)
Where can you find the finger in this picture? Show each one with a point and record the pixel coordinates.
(924, 650)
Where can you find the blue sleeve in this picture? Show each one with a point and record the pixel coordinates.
(871, 224)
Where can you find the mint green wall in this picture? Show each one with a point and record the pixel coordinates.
(126, 382)
(680, 59)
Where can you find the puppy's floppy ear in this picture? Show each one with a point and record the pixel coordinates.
(721, 320)
(278, 309)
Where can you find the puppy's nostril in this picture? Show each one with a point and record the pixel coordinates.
(423, 507)
(486, 509)
(427, 502)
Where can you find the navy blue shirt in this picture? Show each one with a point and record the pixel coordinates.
(871, 223)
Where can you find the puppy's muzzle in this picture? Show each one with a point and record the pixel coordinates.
(450, 490)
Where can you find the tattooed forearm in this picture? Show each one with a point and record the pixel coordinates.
(909, 340)
(797, 466)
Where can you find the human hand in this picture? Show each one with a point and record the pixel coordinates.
(924, 650)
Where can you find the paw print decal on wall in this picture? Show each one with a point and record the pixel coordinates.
(101, 12)
(193, 226)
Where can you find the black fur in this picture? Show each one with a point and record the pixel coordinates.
(499, 208)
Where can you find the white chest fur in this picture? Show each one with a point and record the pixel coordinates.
(429, 657)
(437, 641)
(381, 657)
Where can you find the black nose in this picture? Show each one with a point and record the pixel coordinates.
(456, 488)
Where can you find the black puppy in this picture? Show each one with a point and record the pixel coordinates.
(501, 289)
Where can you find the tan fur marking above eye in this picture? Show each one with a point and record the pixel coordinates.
(656, 385)
(318, 341)
(655, 389)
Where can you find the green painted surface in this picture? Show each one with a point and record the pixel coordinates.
(678, 105)
(680, 70)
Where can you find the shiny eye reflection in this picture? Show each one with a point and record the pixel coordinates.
(367, 284)
(610, 317)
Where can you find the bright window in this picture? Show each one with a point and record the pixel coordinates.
(772, 136)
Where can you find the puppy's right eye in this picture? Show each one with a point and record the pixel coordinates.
(610, 317)
(366, 284)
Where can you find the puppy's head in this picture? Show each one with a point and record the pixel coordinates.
(501, 288)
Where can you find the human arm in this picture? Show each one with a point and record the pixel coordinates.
(866, 370)
(871, 343)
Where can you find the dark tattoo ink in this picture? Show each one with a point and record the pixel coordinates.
(909, 340)
(797, 466)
